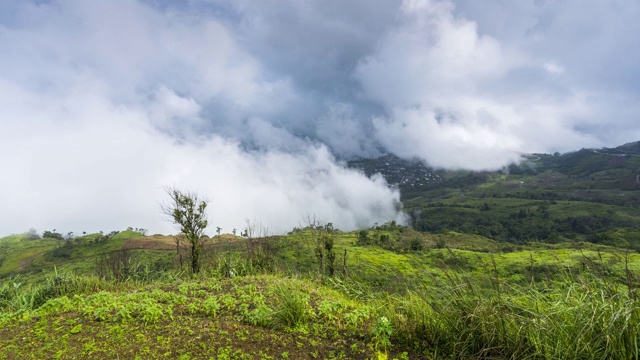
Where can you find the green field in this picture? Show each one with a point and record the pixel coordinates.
(399, 294)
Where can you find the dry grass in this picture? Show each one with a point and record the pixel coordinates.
(155, 242)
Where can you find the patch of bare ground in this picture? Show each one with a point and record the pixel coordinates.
(181, 337)
(25, 262)
(155, 242)
(188, 331)
(168, 243)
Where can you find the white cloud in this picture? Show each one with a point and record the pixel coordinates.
(443, 85)
(553, 67)
(92, 135)
(90, 165)
(105, 102)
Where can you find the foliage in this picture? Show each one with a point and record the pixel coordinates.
(52, 235)
(292, 307)
(232, 318)
(460, 300)
(32, 234)
(261, 246)
(460, 319)
(188, 212)
(323, 239)
(553, 198)
(382, 332)
(116, 265)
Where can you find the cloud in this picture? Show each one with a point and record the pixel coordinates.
(91, 165)
(593, 44)
(257, 104)
(94, 127)
(459, 98)
(553, 67)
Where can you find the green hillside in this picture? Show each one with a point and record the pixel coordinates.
(587, 195)
(28, 256)
(394, 293)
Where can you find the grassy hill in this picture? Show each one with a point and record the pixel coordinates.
(27, 256)
(395, 293)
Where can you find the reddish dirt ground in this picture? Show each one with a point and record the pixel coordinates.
(168, 243)
(155, 242)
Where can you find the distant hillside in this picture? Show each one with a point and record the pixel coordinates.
(28, 254)
(632, 148)
(590, 194)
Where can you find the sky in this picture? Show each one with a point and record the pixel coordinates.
(257, 105)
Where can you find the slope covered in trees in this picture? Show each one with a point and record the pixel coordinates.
(591, 195)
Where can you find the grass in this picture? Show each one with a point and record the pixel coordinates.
(456, 315)
(574, 320)
(19, 253)
(251, 317)
(29, 258)
(460, 296)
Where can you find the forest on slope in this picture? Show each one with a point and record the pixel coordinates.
(588, 195)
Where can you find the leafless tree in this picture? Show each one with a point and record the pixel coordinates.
(260, 244)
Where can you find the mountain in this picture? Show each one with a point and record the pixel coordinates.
(632, 148)
(590, 194)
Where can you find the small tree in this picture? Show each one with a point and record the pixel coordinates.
(323, 238)
(52, 235)
(188, 212)
(32, 234)
(363, 237)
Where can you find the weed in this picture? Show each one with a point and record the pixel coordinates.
(228, 301)
(261, 316)
(210, 306)
(381, 333)
(293, 306)
(76, 329)
(357, 317)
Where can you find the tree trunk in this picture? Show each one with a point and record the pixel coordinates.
(344, 264)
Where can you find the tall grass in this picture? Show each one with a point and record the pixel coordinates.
(585, 318)
(15, 296)
(292, 306)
